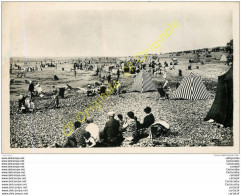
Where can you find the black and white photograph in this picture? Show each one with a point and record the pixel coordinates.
(145, 77)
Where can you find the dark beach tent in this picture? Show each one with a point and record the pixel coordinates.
(61, 92)
(222, 108)
(143, 83)
(191, 88)
(162, 92)
(56, 78)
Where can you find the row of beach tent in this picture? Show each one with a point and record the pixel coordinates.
(192, 88)
(223, 58)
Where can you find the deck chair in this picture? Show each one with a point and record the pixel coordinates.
(162, 92)
(54, 103)
(158, 129)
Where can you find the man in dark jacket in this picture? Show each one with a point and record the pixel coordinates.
(108, 77)
(149, 118)
(111, 135)
(31, 88)
(118, 74)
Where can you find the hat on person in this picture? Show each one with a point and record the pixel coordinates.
(89, 120)
(111, 113)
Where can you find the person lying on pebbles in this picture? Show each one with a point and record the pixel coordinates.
(76, 139)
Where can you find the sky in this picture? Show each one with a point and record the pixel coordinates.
(85, 29)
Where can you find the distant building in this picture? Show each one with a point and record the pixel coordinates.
(216, 49)
(222, 48)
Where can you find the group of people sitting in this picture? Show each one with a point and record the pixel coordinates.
(116, 131)
(34, 89)
(116, 86)
(26, 101)
(25, 104)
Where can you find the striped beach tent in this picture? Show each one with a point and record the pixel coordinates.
(143, 83)
(191, 88)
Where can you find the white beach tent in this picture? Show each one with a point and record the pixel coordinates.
(223, 58)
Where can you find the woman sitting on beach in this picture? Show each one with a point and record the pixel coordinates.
(130, 126)
(121, 121)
